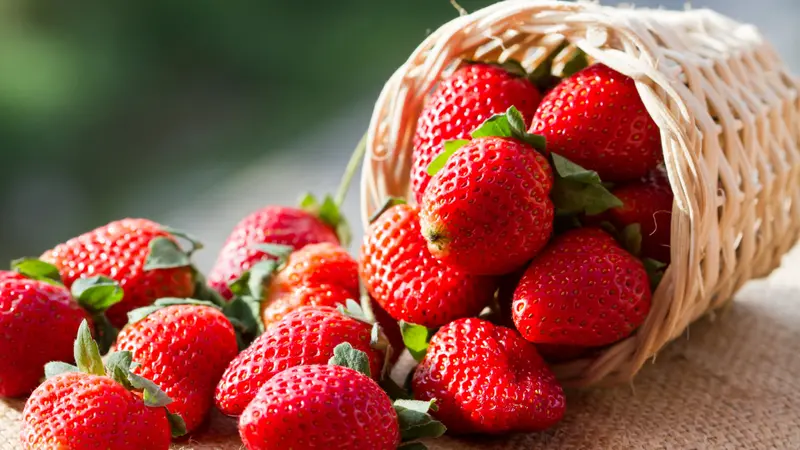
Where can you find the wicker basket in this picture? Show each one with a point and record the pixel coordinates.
(729, 116)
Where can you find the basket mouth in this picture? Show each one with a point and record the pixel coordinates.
(668, 54)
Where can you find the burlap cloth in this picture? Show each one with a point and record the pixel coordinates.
(733, 383)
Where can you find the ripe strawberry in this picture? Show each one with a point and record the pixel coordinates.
(596, 119)
(582, 290)
(305, 336)
(95, 407)
(320, 406)
(270, 225)
(474, 93)
(649, 203)
(488, 211)
(38, 322)
(487, 379)
(82, 411)
(408, 282)
(321, 274)
(129, 252)
(184, 348)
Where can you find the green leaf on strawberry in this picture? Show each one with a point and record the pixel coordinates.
(54, 368)
(176, 424)
(194, 243)
(165, 254)
(345, 355)
(37, 269)
(87, 354)
(577, 62)
(416, 338)
(655, 271)
(440, 160)
(330, 213)
(631, 238)
(96, 294)
(355, 310)
(577, 190)
(151, 394)
(509, 124)
(415, 420)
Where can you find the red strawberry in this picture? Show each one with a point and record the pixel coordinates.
(596, 119)
(184, 348)
(487, 211)
(474, 93)
(317, 275)
(82, 411)
(408, 282)
(583, 290)
(320, 406)
(270, 225)
(122, 251)
(94, 407)
(305, 336)
(648, 203)
(38, 322)
(487, 379)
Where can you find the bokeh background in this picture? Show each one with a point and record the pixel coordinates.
(194, 113)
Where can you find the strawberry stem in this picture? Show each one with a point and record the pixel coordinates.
(350, 170)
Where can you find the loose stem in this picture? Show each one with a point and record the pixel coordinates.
(350, 170)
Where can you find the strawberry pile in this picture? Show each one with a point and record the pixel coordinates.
(540, 228)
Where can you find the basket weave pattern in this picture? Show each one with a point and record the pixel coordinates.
(729, 116)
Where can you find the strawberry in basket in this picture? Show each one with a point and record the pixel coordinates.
(463, 101)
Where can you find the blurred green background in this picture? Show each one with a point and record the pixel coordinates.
(149, 108)
(103, 103)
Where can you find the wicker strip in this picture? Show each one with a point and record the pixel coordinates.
(729, 116)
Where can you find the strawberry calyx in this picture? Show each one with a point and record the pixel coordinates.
(378, 339)
(166, 253)
(36, 269)
(329, 212)
(416, 422)
(346, 356)
(118, 367)
(416, 339)
(250, 289)
(95, 295)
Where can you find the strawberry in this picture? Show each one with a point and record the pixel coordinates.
(596, 119)
(647, 203)
(183, 346)
(488, 211)
(320, 406)
(487, 379)
(321, 274)
(38, 321)
(408, 282)
(472, 94)
(583, 290)
(335, 406)
(95, 407)
(270, 225)
(305, 336)
(141, 255)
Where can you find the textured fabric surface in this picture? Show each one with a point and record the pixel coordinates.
(731, 383)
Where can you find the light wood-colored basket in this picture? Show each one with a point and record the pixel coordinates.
(729, 116)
